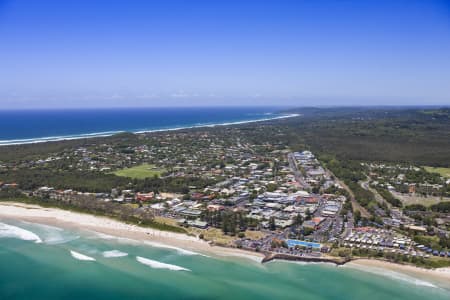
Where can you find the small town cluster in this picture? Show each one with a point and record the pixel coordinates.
(260, 196)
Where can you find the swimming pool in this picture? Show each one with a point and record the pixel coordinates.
(293, 243)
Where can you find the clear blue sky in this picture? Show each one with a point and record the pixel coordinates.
(169, 53)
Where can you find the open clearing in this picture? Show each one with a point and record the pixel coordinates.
(445, 172)
(140, 172)
(409, 199)
(213, 234)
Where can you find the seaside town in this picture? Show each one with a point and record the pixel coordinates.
(217, 150)
(260, 197)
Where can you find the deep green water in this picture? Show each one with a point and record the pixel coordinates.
(47, 270)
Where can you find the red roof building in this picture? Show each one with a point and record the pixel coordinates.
(145, 196)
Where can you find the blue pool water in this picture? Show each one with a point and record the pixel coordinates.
(293, 243)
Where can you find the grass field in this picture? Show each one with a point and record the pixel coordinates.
(167, 221)
(140, 172)
(445, 172)
(408, 199)
(213, 234)
(254, 235)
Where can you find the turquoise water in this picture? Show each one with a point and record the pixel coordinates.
(46, 269)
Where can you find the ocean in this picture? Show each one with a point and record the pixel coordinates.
(44, 262)
(28, 126)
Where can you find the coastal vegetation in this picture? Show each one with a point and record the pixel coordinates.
(351, 172)
(428, 263)
(225, 183)
(397, 135)
(110, 210)
(97, 182)
(388, 197)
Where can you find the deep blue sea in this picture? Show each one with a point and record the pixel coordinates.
(25, 126)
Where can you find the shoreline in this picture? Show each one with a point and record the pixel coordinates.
(182, 242)
(27, 141)
(440, 276)
(119, 230)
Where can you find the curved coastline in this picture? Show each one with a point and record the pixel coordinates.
(11, 142)
(436, 278)
(122, 231)
(107, 228)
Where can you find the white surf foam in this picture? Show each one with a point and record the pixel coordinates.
(11, 231)
(111, 237)
(56, 239)
(114, 253)
(80, 256)
(109, 133)
(179, 250)
(57, 138)
(45, 226)
(104, 236)
(50, 234)
(159, 265)
(152, 244)
(251, 257)
(394, 275)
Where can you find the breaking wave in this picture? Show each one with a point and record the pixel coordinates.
(50, 234)
(80, 256)
(395, 275)
(114, 253)
(105, 236)
(10, 231)
(179, 250)
(159, 265)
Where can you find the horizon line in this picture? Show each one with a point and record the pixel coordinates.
(320, 106)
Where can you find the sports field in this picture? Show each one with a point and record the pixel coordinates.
(445, 172)
(140, 172)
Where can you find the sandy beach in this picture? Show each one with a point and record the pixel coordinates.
(440, 276)
(104, 225)
(107, 226)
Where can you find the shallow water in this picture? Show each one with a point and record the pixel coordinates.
(123, 270)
